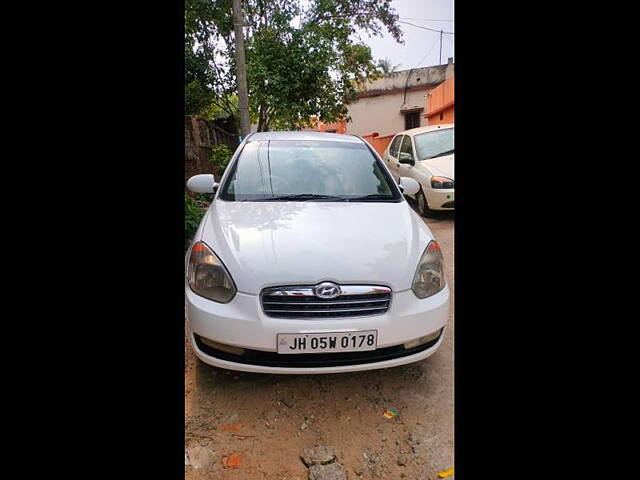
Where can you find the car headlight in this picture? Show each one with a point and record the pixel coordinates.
(207, 276)
(429, 278)
(441, 182)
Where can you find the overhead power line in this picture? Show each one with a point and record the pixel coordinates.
(425, 28)
(450, 41)
(428, 52)
(425, 19)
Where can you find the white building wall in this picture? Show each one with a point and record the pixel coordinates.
(382, 113)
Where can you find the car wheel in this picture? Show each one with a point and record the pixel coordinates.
(423, 206)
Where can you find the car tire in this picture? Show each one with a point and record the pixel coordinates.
(423, 206)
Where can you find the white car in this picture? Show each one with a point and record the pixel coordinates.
(426, 155)
(310, 260)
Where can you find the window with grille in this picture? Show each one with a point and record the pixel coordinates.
(411, 120)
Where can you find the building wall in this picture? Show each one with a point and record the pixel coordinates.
(382, 113)
(439, 104)
(380, 107)
(379, 144)
(317, 126)
(414, 77)
(336, 127)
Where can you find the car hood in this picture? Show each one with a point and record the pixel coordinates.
(291, 243)
(443, 166)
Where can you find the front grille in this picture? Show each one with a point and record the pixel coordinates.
(302, 302)
(447, 205)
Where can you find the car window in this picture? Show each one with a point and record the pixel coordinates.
(406, 146)
(277, 168)
(395, 146)
(435, 143)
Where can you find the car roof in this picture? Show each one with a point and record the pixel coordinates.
(305, 135)
(428, 128)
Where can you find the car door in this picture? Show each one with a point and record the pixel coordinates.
(391, 158)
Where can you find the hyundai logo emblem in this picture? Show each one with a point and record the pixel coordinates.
(327, 290)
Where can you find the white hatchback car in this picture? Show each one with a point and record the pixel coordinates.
(309, 260)
(426, 154)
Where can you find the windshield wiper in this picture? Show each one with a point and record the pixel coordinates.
(303, 197)
(441, 154)
(373, 196)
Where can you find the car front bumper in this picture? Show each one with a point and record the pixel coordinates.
(242, 323)
(440, 199)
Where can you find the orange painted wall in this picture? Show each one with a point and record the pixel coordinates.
(440, 104)
(339, 127)
(379, 144)
(317, 126)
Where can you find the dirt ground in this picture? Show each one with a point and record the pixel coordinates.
(280, 415)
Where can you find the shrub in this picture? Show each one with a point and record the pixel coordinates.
(219, 157)
(194, 210)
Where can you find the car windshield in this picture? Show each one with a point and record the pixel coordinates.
(304, 170)
(434, 144)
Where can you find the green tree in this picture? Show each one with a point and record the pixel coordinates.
(302, 59)
(209, 83)
(385, 66)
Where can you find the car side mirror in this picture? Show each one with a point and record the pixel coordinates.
(408, 186)
(203, 183)
(407, 158)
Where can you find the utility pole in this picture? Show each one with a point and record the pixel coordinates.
(440, 60)
(241, 69)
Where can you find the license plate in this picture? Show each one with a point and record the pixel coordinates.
(327, 342)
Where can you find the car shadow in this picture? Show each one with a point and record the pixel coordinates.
(381, 388)
(278, 414)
